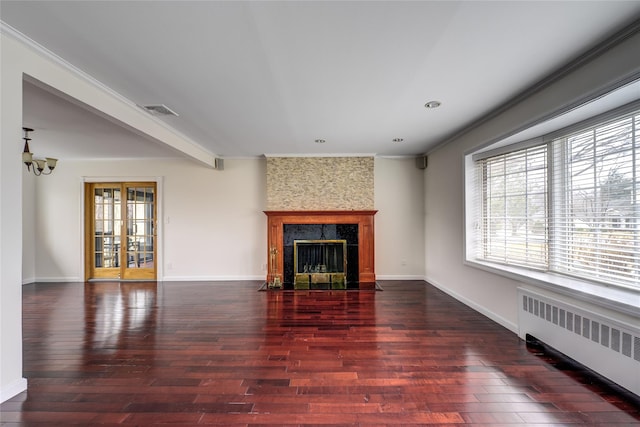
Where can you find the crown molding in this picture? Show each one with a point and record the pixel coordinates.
(269, 155)
(9, 31)
(572, 65)
(398, 156)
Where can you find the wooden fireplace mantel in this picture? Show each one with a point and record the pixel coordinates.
(364, 220)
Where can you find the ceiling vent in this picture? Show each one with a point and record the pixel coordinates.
(159, 110)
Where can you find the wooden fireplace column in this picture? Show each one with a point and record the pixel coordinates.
(366, 248)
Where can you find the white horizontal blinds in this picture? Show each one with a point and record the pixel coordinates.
(514, 209)
(595, 227)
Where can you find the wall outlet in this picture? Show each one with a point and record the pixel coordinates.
(403, 262)
(170, 266)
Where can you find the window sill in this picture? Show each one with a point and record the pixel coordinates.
(615, 298)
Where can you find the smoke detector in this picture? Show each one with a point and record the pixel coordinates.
(159, 110)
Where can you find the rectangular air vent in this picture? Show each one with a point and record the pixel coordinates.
(159, 110)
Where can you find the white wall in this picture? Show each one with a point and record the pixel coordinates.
(28, 226)
(212, 225)
(11, 381)
(444, 189)
(399, 223)
(494, 295)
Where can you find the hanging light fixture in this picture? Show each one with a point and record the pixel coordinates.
(38, 164)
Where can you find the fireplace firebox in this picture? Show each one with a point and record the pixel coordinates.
(320, 262)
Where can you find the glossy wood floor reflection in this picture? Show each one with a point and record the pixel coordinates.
(224, 353)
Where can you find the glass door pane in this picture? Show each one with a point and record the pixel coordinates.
(140, 232)
(107, 225)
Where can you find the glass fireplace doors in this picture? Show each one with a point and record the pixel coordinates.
(320, 262)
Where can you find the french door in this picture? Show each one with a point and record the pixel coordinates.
(120, 230)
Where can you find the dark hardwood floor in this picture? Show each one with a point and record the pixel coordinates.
(223, 353)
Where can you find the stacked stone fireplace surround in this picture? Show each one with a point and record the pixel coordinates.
(316, 198)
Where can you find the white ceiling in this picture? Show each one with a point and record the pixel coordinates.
(254, 78)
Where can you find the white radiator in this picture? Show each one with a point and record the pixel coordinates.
(599, 341)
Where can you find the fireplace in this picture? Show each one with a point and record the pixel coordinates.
(346, 233)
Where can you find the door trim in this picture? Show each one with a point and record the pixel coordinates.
(159, 181)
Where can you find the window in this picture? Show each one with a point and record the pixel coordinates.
(514, 223)
(566, 203)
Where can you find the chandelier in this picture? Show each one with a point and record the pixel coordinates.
(38, 164)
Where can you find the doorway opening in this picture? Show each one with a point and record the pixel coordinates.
(120, 230)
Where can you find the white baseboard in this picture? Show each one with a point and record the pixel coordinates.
(204, 278)
(211, 278)
(513, 327)
(164, 279)
(168, 278)
(28, 280)
(51, 280)
(398, 277)
(16, 387)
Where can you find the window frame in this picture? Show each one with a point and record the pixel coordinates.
(488, 171)
(613, 295)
